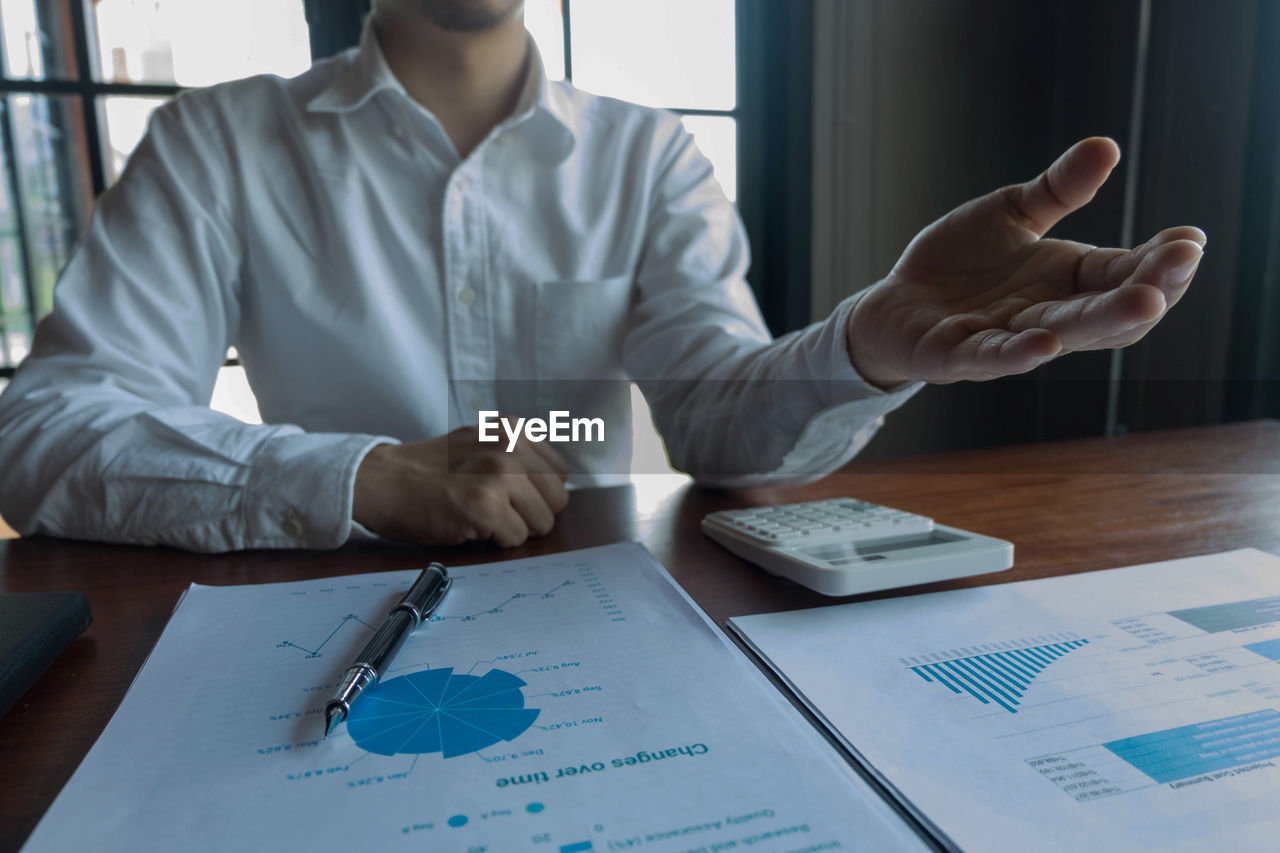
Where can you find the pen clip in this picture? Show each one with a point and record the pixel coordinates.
(436, 598)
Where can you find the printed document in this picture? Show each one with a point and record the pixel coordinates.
(1132, 709)
(568, 703)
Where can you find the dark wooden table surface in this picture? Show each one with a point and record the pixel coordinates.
(1068, 507)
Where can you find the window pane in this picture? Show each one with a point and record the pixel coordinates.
(200, 42)
(124, 126)
(717, 138)
(15, 314)
(664, 53)
(13, 289)
(53, 185)
(14, 309)
(16, 342)
(542, 19)
(37, 39)
(648, 453)
(233, 396)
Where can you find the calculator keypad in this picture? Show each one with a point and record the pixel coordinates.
(816, 521)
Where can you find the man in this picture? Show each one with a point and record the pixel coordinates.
(425, 229)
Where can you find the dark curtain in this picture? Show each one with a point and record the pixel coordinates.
(334, 25)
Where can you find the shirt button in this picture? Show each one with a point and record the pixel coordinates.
(292, 527)
(476, 402)
(466, 296)
(461, 184)
(397, 131)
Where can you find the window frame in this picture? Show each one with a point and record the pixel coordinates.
(88, 92)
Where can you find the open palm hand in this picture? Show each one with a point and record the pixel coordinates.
(981, 293)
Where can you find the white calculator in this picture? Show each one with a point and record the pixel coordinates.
(844, 546)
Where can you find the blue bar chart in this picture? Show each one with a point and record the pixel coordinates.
(1000, 676)
(1187, 751)
(1173, 625)
(1269, 649)
(1180, 757)
(1231, 616)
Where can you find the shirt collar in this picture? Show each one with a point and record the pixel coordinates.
(545, 107)
(366, 74)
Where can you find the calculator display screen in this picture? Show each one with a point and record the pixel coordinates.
(844, 553)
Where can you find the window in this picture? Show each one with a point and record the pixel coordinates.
(677, 54)
(78, 81)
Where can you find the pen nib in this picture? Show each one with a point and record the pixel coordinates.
(334, 713)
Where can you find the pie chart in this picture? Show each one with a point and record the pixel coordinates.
(437, 711)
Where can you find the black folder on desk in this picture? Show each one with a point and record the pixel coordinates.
(35, 627)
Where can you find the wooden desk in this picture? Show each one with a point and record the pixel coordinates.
(1068, 507)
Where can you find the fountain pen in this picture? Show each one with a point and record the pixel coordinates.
(371, 664)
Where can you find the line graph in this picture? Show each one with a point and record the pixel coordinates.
(515, 596)
(461, 617)
(316, 652)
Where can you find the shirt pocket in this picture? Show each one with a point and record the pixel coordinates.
(580, 326)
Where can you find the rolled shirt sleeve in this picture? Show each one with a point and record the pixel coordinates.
(105, 430)
(734, 407)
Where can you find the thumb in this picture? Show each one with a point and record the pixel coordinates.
(1067, 185)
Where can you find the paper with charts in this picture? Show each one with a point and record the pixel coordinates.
(575, 702)
(1134, 709)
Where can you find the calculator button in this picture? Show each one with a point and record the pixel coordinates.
(818, 521)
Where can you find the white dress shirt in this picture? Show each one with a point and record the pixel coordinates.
(379, 288)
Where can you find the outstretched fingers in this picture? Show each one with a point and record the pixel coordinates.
(1104, 269)
(1084, 321)
(992, 353)
(1170, 268)
(969, 347)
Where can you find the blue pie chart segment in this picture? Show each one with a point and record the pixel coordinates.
(437, 711)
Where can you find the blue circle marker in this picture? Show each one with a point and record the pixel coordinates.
(534, 808)
(458, 820)
(437, 711)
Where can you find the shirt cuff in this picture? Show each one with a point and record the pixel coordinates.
(846, 383)
(301, 490)
(853, 412)
(360, 533)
